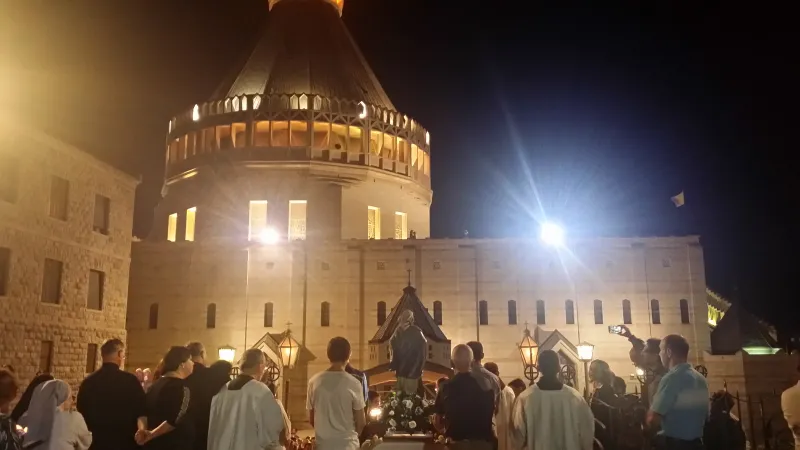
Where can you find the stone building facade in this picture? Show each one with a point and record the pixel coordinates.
(65, 239)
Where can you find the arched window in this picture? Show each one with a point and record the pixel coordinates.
(684, 311)
(325, 315)
(211, 315)
(598, 311)
(483, 312)
(569, 308)
(512, 312)
(540, 317)
(626, 312)
(268, 310)
(655, 311)
(381, 313)
(153, 322)
(437, 312)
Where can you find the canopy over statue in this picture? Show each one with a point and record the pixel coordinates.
(409, 350)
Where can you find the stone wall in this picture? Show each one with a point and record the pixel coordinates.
(27, 229)
(183, 278)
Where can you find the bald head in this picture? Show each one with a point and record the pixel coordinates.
(462, 358)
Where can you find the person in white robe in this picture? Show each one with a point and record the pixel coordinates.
(502, 417)
(550, 415)
(245, 414)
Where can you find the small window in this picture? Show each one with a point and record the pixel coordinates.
(258, 218)
(59, 197)
(191, 215)
(5, 269)
(46, 357)
(9, 179)
(626, 312)
(172, 227)
(437, 312)
(400, 225)
(325, 315)
(297, 220)
(91, 358)
(152, 323)
(512, 312)
(381, 313)
(483, 312)
(598, 311)
(102, 209)
(541, 319)
(96, 287)
(569, 309)
(684, 311)
(211, 315)
(268, 314)
(655, 311)
(51, 283)
(373, 222)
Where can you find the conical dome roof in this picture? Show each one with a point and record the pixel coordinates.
(305, 48)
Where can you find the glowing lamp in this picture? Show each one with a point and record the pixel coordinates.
(552, 234)
(269, 236)
(196, 113)
(639, 372)
(528, 349)
(227, 353)
(375, 413)
(289, 349)
(362, 110)
(585, 351)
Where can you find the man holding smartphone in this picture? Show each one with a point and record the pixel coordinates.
(646, 356)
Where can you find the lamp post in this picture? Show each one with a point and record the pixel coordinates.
(585, 355)
(288, 350)
(529, 352)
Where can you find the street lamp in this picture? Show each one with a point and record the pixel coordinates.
(552, 234)
(585, 354)
(289, 349)
(529, 352)
(227, 353)
(269, 236)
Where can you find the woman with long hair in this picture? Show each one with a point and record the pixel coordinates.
(51, 423)
(25, 400)
(167, 404)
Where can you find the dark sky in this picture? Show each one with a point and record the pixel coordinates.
(608, 111)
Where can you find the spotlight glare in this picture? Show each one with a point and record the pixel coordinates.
(552, 234)
(268, 236)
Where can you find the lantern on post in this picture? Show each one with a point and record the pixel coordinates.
(289, 349)
(585, 355)
(529, 352)
(227, 353)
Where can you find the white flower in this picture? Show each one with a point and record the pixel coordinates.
(394, 403)
(418, 411)
(392, 423)
(391, 412)
(412, 424)
(408, 404)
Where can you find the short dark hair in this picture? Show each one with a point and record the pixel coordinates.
(620, 384)
(549, 363)
(372, 395)
(678, 345)
(175, 357)
(8, 386)
(652, 345)
(492, 367)
(477, 350)
(517, 383)
(338, 349)
(252, 357)
(111, 346)
(196, 349)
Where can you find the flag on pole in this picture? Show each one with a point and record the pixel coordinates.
(678, 200)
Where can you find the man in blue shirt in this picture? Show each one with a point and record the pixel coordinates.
(680, 406)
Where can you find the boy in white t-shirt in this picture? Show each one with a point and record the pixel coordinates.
(336, 402)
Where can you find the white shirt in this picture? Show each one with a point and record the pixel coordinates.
(69, 432)
(502, 419)
(333, 396)
(245, 419)
(546, 420)
(790, 404)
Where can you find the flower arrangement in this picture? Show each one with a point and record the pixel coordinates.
(404, 413)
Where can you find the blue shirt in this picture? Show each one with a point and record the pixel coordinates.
(682, 402)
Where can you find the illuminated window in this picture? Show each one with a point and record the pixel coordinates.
(375, 142)
(655, 311)
(338, 139)
(512, 312)
(400, 225)
(172, 227)
(239, 134)
(224, 137)
(540, 314)
(258, 218)
(598, 312)
(321, 135)
(684, 311)
(297, 219)
(261, 135)
(303, 101)
(280, 134)
(569, 308)
(354, 142)
(196, 113)
(437, 312)
(381, 313)
(299, 133)
(191, 213)
(626, 312)
(414, 154)
(373, 222)
(483, 312)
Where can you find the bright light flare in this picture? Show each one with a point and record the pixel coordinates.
(362, 110)
(552, 234)
(639, 372)
(269, 236)
(375, 413)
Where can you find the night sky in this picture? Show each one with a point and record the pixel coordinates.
(607, 111)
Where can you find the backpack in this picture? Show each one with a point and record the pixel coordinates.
(9, 439)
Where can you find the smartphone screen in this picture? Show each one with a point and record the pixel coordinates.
(615, 329)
